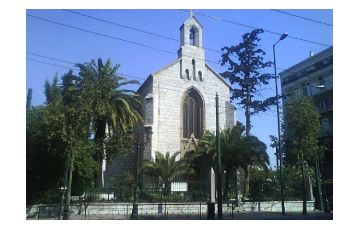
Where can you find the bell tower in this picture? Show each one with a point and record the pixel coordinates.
(191, 52)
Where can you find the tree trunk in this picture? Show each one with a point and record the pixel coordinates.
(99, 177)
(247, 112)
(226, 189)
(247, 180)
(99, 140)
(304, 212)
(237, 189)
(66, 215)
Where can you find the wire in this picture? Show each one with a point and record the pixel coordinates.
(116, 38)
(135, 77)
(135, 29)
(252, 27)
(33, 60)
(100, 34)
(123, 74)
(308, 19)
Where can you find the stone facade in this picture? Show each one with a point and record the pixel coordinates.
(164, 92)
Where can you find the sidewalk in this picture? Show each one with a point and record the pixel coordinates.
(278, 216)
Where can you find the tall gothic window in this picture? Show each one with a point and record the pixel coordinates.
(193, 114)
(194, 69)
(187, 74)
(200, 76)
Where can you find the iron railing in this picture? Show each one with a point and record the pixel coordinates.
(122, 211)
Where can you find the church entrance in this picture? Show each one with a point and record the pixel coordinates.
(192, 119)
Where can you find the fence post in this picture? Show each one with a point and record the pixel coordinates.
(165, 211)
(232, 210)
(38, 213)
(200, 210)
(127, 211)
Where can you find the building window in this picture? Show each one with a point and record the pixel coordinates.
(305, 90)
(194, 69)
(200, 76)
(193, 114)
(187, 74)
(323, 104)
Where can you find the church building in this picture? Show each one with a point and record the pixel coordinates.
(180, 98)
(179, 105)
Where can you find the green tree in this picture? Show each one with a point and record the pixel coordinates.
(44, 166)
(58, 141)
(76, 133)
(245, 73)
(164, 169)
(301, 132)
(263, 185)
(112, 107)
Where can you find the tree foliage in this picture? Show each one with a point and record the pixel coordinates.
(237, 150)
(245, 73)
(58, 133)
(301, 132)
(164, 169)
(113, 109)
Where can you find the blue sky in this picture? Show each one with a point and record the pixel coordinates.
(55, 41)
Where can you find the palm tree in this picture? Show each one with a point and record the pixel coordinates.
(112, 107)
(237, 150)
(255, 155)
(164, 169)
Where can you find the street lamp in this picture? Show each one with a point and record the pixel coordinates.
(317, 168)
(283, 36)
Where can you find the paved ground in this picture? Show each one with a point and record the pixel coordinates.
(250, 216)
(279, 216)
(193, 216)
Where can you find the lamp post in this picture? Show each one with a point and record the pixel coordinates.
(317, 168)
(218, 160)
(283, 36)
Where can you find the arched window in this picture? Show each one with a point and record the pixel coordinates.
(192, 35)
(200, 76)
(194, 69)
(193, 114)
(187, 74)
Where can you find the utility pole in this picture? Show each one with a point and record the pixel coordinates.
(135, 210)
(218, 155)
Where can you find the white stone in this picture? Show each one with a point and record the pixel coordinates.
(165, 89)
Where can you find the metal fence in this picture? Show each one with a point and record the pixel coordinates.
(122, 211)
